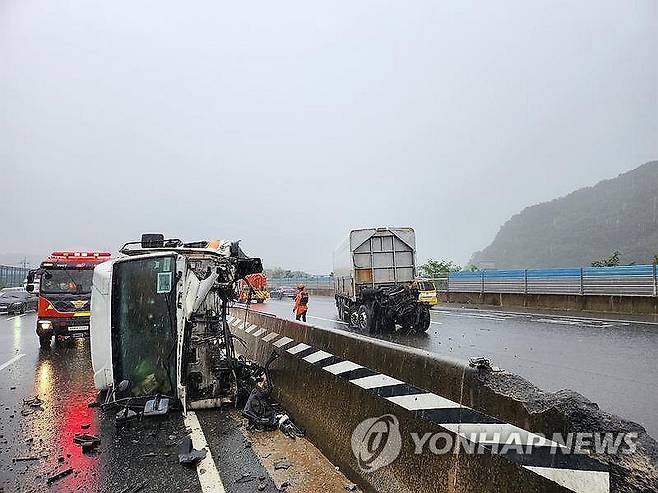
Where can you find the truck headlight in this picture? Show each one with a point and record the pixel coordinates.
(45, 324)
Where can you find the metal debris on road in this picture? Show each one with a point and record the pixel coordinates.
(59, 475)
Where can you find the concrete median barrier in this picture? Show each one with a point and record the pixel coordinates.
(634, 305)
(399, 419)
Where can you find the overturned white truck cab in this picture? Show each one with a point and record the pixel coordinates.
(158, 323)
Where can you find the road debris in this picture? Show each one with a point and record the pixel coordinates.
(87, 441)
(482, 363)
(187, 454)
(261, 413)
(59, 475)
(31, 406)
(23, 459)
(282, 464)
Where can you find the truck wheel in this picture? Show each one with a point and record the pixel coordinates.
(423, 320)
(365, 318)
(44, 342)
(354, 319)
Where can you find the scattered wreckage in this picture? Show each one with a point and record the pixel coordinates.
(159, 333)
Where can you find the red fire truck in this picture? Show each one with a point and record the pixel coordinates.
(65, 294)
(254, 288)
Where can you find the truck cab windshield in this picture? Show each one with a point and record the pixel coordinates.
(72, 281)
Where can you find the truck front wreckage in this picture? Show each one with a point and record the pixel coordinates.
(158, 324)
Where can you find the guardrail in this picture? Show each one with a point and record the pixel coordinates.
(629, 280)
(12, 276)
(313, 282)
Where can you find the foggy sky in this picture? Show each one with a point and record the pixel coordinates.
(285, 124)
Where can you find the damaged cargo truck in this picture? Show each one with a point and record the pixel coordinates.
(374, 272)
(158, 323)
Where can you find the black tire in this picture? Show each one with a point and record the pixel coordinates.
(365, 318)
(353, 319)
(23, 309)
(423, 319)
(44, 342)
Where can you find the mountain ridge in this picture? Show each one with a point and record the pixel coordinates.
(587, 224)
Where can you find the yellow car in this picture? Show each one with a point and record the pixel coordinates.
(427, 292)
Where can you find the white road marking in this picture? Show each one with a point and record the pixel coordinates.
(259, 332)
(437, 323)
(578, 481)
(206, 468)
(342, 367)
(584, 319)
(13, 360)
(270, 336)
(375, 381)
(16, 316)
(422, 401)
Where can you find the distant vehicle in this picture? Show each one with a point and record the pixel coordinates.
(64, 293)
(427, 291)
(276, 293)
(254, 288)
(16, 301)
(289, 292)
(374, 281)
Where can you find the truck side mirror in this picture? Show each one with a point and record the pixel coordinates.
(29, 286)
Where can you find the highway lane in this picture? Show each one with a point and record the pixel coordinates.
(36, 442)
(611, 361)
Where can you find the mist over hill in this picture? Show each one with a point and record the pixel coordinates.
(590, 223)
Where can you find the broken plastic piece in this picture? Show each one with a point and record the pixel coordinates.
(187, 454)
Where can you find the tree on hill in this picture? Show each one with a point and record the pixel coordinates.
(611, 261)
(438, 268)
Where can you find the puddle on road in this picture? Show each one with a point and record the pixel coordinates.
(46, 416)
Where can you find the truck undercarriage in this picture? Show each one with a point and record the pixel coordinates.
(382, 309)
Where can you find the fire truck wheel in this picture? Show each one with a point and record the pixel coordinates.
(44, 342)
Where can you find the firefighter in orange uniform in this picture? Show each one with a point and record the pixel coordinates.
(301, 303)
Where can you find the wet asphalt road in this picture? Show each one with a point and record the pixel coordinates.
(36, 442)
(609, 360)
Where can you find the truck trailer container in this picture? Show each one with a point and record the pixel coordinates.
(374, 272)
